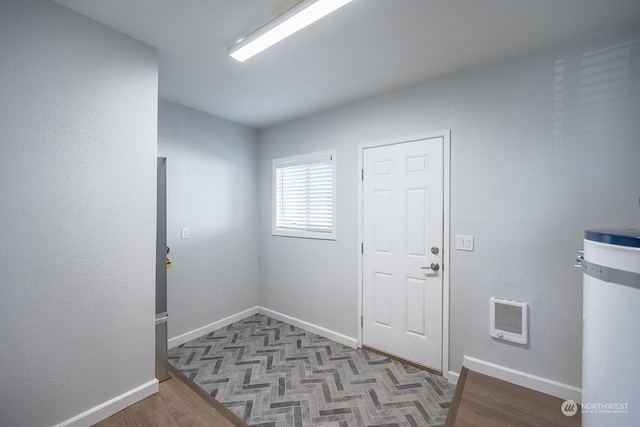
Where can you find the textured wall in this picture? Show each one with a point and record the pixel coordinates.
(542, 147)
(78, 122)
(212, 190)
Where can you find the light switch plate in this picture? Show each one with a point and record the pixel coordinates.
(464, 243)
(185, 233)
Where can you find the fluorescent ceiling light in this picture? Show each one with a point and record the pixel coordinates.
(293, 20)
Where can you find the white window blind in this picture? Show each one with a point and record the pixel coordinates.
(304, 196)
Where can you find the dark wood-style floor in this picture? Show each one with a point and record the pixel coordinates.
(180, 402)
(480, 400)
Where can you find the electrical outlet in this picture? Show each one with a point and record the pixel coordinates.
(185, 233)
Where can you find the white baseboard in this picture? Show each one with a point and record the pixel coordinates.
(115, 405)
(318, 330)
(543, 385)
(204, 330)
(453, 377)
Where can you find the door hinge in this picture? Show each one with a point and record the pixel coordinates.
(361, 321)
(363, 174)
(362, 248)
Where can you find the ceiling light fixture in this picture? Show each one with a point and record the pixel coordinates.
(293, 20)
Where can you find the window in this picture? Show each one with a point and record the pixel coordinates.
(304, 202)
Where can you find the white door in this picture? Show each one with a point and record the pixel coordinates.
(402, 222)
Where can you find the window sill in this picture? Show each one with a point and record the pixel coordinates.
(304, 234)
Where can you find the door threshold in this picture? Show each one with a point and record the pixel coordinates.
(401, 360)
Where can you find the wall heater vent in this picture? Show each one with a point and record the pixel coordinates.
(509, 320)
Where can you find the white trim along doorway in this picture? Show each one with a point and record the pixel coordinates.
(444, 137)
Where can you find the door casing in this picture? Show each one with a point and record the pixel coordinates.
(446, 167)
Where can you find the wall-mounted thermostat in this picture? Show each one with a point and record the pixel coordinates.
(509, 320)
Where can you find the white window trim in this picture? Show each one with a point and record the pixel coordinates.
(291, 161)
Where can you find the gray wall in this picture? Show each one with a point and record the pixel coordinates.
(212, 190)
(542, 147)
(78, 123)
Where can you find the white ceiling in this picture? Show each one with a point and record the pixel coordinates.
(365, 48)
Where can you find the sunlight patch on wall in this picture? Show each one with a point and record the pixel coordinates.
(604, 88)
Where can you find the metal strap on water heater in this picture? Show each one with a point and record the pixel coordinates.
(607, 274)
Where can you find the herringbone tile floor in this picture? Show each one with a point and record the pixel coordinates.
(270, 373)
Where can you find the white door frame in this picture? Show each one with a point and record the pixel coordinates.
(446, 154)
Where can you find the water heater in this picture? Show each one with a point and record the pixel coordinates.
(611, 327)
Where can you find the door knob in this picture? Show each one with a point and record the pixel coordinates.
(434, 266)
